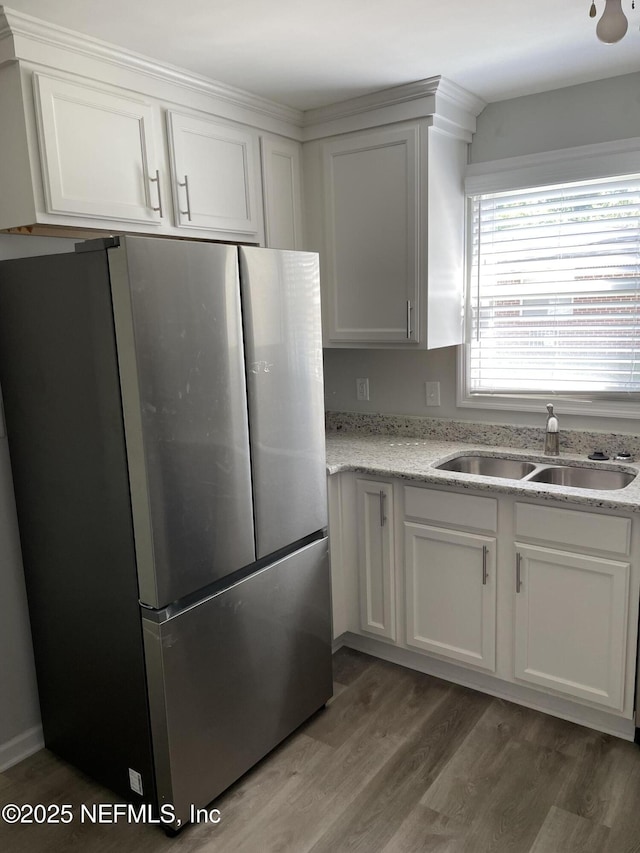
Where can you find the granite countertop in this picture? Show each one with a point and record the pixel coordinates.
(414, 458)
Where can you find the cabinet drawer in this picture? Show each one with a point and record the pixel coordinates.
(585, 530)
(451, 508)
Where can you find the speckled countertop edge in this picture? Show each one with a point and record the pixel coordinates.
(414, 458)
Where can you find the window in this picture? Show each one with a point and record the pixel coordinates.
(554, 292)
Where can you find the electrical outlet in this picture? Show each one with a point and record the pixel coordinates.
(433, 393)
(362, 389)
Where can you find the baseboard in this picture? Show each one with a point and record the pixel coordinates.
(546, 703)
(337, 644)
(20, 747)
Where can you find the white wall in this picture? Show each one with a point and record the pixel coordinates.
(20, 731)
(601, 111)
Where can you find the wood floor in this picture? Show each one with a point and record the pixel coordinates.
(398, 762)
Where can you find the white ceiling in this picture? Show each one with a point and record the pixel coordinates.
(308, 53)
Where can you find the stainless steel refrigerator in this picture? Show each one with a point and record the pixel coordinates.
(164, 409)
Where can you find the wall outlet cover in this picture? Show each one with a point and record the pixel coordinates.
(432, 393)
(362, 389)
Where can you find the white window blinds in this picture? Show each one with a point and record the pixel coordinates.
(554, 291)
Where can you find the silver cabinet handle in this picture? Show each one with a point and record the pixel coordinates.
(409, 329)
(156, 180)
(518, 572)
(382, 515)
(485, 573)
(186, 212)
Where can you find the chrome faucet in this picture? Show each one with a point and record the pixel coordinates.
(552, 434)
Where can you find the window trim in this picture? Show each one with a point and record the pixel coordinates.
(582, 163)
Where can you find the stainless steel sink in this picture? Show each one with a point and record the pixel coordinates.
(583, 478)
(573, 476)
(489, 466)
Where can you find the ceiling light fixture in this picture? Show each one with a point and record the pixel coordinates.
(613, 24)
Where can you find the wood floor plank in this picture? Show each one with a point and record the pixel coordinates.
(425, 830)
(563, 832)
(298, 820)
(378, 811)
(349, 664)
(519, 799)
(599, 784)
(376, 687)
(398, 762)
(353, 707)
(463, 787)
(551, 732)
(624, 835)
(498, 785)
(298, 759)
(337, 690)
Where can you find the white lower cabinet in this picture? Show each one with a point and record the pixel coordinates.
(376, 572)
(450, 589)
(536, 598)
(571, 619)
(572, 608)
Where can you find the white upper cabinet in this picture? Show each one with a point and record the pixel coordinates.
(282, 192)
(215, 175)
(97, 152)
(121, 145)
(102, 139)
(393, 246)
(372, 261)
(385, 208)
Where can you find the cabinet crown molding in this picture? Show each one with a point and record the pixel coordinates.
(24, 37)
(438, 86)
(22, 34)
(440, 98)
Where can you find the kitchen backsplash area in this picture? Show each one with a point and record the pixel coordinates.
(523, 437)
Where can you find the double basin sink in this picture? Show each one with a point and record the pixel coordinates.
(574, 476)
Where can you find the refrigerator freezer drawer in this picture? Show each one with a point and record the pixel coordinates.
(232, 676)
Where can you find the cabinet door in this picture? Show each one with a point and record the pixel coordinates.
(372, 249)
(97, 152)
(450, 582)
(571, 621)
(282, 192)
(214, 171)
(375, 558)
